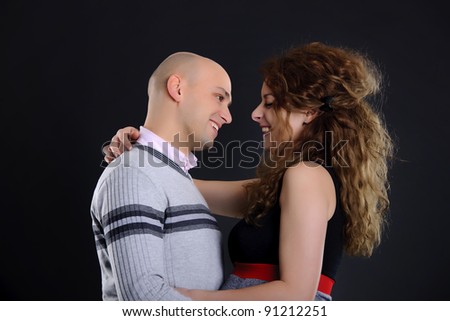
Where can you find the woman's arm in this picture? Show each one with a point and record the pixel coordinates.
(227, 198)
(307, 202)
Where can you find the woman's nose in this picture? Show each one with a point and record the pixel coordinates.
(257, 113)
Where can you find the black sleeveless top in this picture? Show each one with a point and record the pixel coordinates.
(259, 244)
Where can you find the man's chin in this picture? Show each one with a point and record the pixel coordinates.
(207, 145)
(203, 146)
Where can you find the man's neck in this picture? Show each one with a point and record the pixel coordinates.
(175, 140)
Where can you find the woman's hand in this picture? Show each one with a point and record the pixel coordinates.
(197, 295)
(184, 291)
(121, 140)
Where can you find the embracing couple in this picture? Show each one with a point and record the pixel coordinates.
(309, 204)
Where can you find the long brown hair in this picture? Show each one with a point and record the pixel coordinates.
(301, 79)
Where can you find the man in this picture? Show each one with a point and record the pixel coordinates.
(153, 229)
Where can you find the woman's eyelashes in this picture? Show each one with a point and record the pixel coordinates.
(268, 105)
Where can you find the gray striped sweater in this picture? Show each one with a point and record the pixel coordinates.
(153, 230)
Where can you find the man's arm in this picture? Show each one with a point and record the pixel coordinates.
(132, 219)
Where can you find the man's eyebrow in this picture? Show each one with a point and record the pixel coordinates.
(226, 92)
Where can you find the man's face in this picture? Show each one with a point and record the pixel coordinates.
(206, 105)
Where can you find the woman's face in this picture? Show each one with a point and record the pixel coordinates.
(272, 125)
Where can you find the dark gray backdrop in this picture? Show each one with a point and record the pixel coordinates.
(74, 72)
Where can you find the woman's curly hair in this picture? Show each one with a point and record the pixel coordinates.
(352, 137)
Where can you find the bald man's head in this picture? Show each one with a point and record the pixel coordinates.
(185, 64)
(189, 96)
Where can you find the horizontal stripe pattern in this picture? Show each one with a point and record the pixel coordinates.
(100, 242)
(136, 219)
(130, 211)
(189, 217)
(179, 210)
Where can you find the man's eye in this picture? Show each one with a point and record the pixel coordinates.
(220, 98)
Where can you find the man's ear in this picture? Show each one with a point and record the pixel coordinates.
(174, 87)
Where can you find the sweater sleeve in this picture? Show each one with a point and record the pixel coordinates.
(132, 219)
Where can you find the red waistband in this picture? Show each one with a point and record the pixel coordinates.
(270, 272)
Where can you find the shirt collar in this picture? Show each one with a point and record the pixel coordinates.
(150, 139)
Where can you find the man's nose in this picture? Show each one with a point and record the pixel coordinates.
(226, 116)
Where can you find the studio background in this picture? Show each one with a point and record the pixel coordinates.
(73, 73)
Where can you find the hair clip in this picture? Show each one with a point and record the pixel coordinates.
(326, 107)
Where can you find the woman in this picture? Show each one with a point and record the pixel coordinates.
(321, 187)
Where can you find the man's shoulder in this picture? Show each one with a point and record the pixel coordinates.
(143, 163)
(125, 176)
(139, 158)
